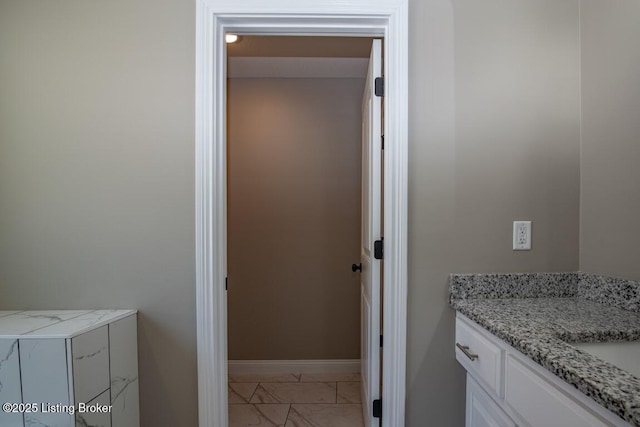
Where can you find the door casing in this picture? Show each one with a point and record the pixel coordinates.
(378, 18)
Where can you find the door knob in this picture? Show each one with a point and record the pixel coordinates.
(355, 267)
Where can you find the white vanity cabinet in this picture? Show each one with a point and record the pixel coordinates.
(481, 410)
(506, 389)
(69, 368)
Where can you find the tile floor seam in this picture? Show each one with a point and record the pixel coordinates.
(291, 412)
(269, 395)
(254, 392)
(287, 417)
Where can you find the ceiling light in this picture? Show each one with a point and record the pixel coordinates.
(231, 38)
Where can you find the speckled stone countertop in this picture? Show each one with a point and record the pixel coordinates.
(541, 320)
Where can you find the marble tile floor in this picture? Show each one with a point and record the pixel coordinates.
(295, 400)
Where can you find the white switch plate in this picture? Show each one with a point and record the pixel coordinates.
(521, 235)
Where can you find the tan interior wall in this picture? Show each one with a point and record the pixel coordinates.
(294, 218)
(610, 186)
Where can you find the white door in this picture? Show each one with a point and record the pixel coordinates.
(371, 231)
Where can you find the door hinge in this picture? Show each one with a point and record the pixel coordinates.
(379, 86)
(378, 249)
(382, 137)
(380, 341)
(377, 408)
(226, 283)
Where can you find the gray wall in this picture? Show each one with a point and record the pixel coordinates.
(294, 218)
(97, 170)
(494, 137)
(610, 199)
(97, 175)
(517, 133)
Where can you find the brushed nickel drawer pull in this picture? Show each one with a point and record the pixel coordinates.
(465, 350)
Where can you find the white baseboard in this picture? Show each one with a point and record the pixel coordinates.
(335, 366)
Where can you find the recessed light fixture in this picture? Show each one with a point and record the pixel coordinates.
(231, 38)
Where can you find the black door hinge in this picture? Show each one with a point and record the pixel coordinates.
(378, 249)
(380, 341)
(226, 283)
(382, 137)
(377, 408)
(379, 86)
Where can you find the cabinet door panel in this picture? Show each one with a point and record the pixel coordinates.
(123, 351)
(482, 411)
(540, 404)
(90, 358)
(10, 389)
(43, 367)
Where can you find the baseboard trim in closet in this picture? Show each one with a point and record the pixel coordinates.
(294, 366)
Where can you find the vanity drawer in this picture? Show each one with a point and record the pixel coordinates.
(480, 355)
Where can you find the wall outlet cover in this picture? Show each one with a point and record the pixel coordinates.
(521, 235)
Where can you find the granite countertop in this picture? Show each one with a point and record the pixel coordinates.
(541, 320)
(55, 323)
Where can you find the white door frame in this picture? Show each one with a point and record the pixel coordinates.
(214, 18)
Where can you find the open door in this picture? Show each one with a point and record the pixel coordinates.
(370, 255)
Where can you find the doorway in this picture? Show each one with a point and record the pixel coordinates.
(294, 221)
(382, 18)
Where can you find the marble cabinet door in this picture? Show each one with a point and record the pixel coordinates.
(10, 388)
(43, 367)
(90, 358)
(123, 350)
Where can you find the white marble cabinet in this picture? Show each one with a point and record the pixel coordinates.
(10, 389)
(123, 356)
(69, 368)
